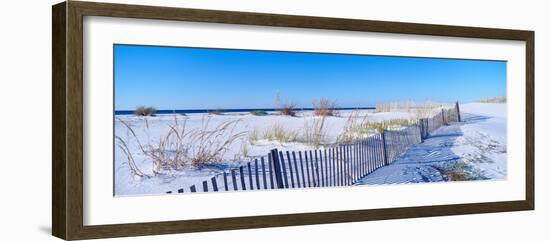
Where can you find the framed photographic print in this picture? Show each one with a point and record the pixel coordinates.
(170, 120)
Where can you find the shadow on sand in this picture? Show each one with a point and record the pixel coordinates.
(424, 162)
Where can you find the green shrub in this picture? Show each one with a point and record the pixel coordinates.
(259, 113)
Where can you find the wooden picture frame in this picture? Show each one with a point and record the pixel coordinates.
(67, 123)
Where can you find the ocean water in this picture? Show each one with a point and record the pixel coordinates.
(191, 111)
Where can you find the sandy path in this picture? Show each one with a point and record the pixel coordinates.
(463, 142)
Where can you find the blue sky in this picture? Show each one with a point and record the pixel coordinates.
(198, 78)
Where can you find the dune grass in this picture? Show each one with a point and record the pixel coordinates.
(179, 147)
(281, 134)
(324, 107)
(358, 127)
(284, 107)
(315, 131)
(287, 109)
(253, 136)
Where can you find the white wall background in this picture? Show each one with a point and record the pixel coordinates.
(25, 121)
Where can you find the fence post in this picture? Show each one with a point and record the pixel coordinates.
(419, 138)
(423, 128)
(384, 150)
(457, 111)
(277, 167)
(443, 117)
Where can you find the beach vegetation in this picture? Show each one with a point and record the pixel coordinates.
(179, 147)
(259, 113)
(281, 134)
(145, 111)
(324, 107)
(315, 131)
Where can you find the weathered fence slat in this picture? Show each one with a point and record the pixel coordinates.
(457, 108)
(334, 170)
(351, 159)
(378, 155)
(290, 169)
(302, 169)
(359, 159)
(374, 154)
(283, 168)
(359, 168)
(270, 163)
(277, 168)
(264, 179)
(347, 164)
(385, 147)
(368, 153)
(313, 161)
(352, 163)
(307, 168)
(326, 168)
(355, 167)
(234, 179)
(205, 186)
(241, 173)
(296, 169)
(344, 165)
(319, 168)
(226, 187)
(214, 184)
(250, 183)
(256, 172)
(363, 158)
(341, 166)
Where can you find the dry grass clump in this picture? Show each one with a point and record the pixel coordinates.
(358, 127)
(244, 151)
(209, 146)
(253, 136)
(284, 107)
(379, 127)
(287, 109)
(145, 111)
(134, 169)
(456, 172)
(388, 124)
(315, 131)
(280, 134)
(324, 107)
(352, 129)
(179, 147)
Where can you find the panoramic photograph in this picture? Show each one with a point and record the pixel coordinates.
(195, 120)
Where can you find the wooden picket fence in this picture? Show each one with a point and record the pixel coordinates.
(338, 165)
